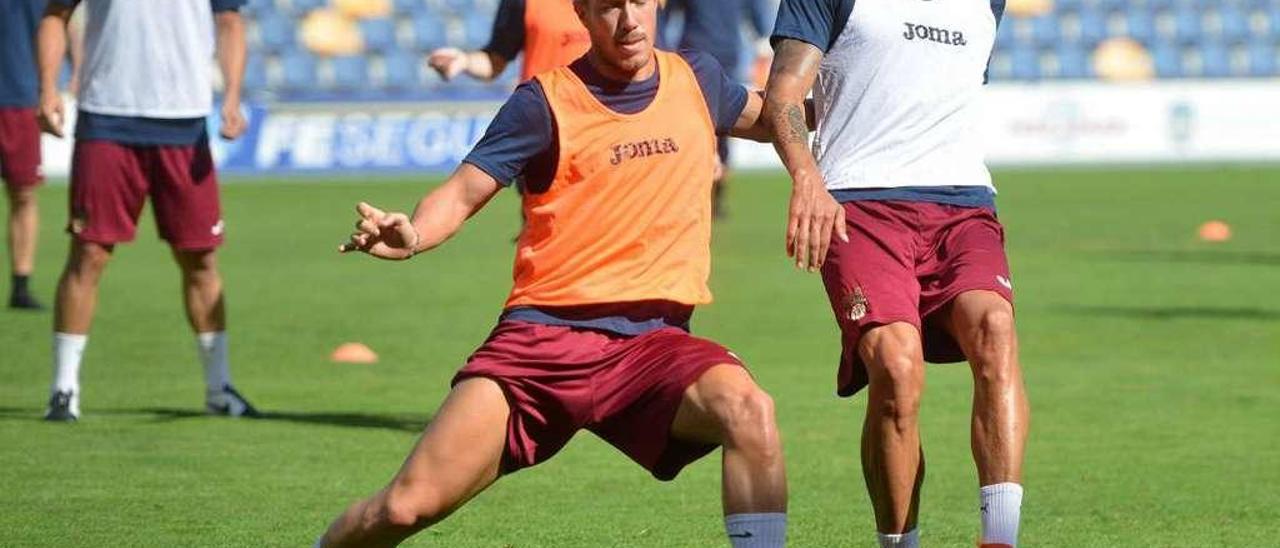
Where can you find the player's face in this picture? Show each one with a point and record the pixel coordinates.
(622, 31)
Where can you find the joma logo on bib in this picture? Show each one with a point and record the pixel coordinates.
(934, 34)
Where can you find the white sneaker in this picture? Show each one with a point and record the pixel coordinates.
(227, 402)
(64, 406)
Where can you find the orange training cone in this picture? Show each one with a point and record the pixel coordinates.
(354, 352)
(1215, 231)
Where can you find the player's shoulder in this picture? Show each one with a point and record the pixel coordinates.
(703, 63)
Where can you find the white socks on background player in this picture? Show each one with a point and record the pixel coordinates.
(1001, 511)
(756, 530)
(213, 355)
(68, 349)
(1001, 506)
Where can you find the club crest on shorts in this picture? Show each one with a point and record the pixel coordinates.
(855, 305)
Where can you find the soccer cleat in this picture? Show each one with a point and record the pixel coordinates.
(228, 403)
(24, 301)
(64, 406)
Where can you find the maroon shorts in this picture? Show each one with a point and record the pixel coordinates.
(111, 181)
(559, 380)
(905, 261)
(20, 147)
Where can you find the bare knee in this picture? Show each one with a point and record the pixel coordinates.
(198, 267)
(21, 198)
(993, 352)
(748, 420)
(88, 260)
(895, 368)
(412, 505)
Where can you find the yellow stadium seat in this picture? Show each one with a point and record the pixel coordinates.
(1123, 60)
(327, 32)
(1028, 8)
(363, 9)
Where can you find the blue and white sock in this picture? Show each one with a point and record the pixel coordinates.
(909, 539)
(756, 530)
(213, 356)
(68, 348)
(1001, 512)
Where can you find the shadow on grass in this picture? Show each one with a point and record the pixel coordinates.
(1198, 256)
(397, 422)
(1174, 312)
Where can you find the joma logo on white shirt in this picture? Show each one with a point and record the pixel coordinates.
(934, 34)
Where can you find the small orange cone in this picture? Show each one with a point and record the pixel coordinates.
(1215, 231)
(354, 352)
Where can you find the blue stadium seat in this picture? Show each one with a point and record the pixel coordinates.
(1073, 63)
(1026, 64)
(275, 32)
(1168, 61)
(478, 26)
(299, 69)
(1141, 25)
(401, 70)
(257, 7)
(1216, 63)
(1107, 6)
(1093, 28)
(410, 7)
(1262, 59)
(303, 6)
(1006, 33)
(255, 73)
(459, 6)
(1044, 30)
(1235, 25)
(350, 72)
(1187, 24)
(379, 34)
(429, 31)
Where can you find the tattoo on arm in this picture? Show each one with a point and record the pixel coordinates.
(799, 131)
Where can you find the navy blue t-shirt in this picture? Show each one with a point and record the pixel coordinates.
(507, 38)
(139, 130)
(521, 144)
(18, 76)
(820, 23)
(712, 26)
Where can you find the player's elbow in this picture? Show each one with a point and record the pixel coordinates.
(228, 21)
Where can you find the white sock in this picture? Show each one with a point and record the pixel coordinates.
(909, 539)
(213, 354)
(1001, 511)
(67, 351)
(756, 530)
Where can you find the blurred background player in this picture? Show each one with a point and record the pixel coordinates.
(145, 92)
(616, 152)
(715, 27)
(547, 32)
(900, 192)
(20, 142)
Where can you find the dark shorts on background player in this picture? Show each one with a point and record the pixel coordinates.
(20, 147)
(905, 261)
(110, 182)
(559, 380)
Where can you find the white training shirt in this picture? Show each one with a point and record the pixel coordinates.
(148, 58)
(897, 95)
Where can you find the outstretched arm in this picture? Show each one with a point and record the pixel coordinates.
(480, 64)
(439, 215)
(814, 216)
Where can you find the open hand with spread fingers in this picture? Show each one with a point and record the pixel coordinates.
(390, 236)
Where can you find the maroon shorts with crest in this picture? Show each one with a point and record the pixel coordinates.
(110, 182)
(626, 390)
(19, 147)
(904, 262)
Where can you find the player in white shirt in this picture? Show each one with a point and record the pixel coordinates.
(895, 205)
(145, 91)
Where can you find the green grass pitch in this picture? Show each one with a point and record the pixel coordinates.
(1152, 359)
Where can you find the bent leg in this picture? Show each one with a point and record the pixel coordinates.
(458, 456)
(725, 406)
(892, 457)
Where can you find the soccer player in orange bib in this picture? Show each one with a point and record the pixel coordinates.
(616, 155)
(546, 31)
